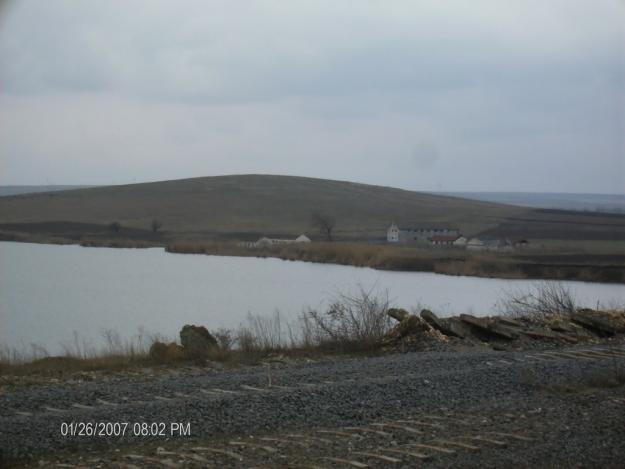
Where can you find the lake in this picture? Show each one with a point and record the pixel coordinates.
(49, 291)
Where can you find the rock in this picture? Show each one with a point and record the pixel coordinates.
(415, 332)
(603, 324)
(440, 325)
(548, 335)
(509, 322)
(398, 314)
(158, 350)
(197, 342)
(489, 327)
(429, 329)
(164, 353)
(458, 327)
(174, 351)
(562, 326)
(411, 325)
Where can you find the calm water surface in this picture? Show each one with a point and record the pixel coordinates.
(47, 292)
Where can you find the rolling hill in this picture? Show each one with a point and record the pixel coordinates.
(15, 190)
(244, 206)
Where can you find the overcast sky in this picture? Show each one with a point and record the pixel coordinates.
(522, 95)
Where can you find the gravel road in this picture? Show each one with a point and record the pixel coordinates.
(442, 409)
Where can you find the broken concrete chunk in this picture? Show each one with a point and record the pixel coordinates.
(488, 326)
(411, 325)
(594, 321)
(440, 324)
(398, 314)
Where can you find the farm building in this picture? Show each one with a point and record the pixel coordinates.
(263, 242)
(424, 235)
(461, 241)
(392, 233)
(443, 240)
(476, 244)
(496, 245)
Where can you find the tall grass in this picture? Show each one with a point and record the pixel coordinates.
(262, 334)
(352, 322)
(80, 354)
(449, 261)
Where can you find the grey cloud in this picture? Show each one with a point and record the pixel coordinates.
(194, 56)
(467, 94)
(425, 155)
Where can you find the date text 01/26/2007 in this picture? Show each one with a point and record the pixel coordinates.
(117, 429)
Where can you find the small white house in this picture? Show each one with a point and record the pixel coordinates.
(392, 233)
(460, 242)
(264, 242)
(500, 245)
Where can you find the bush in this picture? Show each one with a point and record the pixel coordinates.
(165, 353)
(359, 318)
(544, 299)
(225, 339)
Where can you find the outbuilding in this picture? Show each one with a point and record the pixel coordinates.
(302, 239)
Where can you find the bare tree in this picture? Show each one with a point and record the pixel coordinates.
(324, 223)
(156, 225)
(115, 227)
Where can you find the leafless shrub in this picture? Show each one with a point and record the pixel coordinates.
(225, 339)
(359, 317)
(540, 301)
(246, 340)
(113, 341)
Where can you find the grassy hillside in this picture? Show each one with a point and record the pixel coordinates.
(254, 204)
(246, 206)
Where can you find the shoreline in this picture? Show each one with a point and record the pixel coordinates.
(527, 330)
(521, 265)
